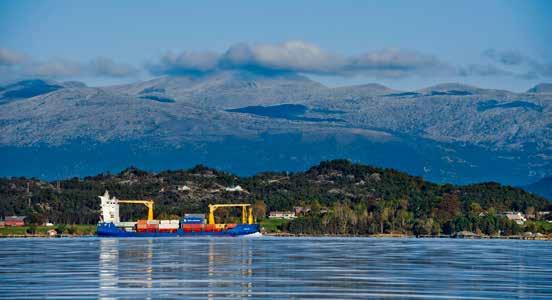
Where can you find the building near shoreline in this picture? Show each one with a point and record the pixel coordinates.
(14, 221)
(282, 215)
(515, 216)
(299, 210)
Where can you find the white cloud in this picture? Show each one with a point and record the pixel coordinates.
(9, 57)
(18, 65)
(54, 68)
(184, 63)
(534, 68)
(287, 57)
(397, 63)
(482, 70)
(508, 57)
(293, 56)
(300, 57)
(103, 66)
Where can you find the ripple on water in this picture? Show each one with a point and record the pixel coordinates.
(274, 268)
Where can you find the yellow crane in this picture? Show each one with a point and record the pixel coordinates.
(147, 203)
(247, 212)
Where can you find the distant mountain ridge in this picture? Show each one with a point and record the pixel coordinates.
(246, 122)
(541, 88)
(542, 187)
(26, 89)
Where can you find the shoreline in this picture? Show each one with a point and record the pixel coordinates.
(384, 236)
(57, 236)
(290, 235)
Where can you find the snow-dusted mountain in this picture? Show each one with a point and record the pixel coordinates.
(245, 122)
(541, 88)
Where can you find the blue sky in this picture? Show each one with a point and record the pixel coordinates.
(403, 44)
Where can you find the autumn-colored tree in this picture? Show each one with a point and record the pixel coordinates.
(259, 209)
(448, 208)
(383, 214)
(530, 211)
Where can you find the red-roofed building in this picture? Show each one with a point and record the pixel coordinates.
(14, 221)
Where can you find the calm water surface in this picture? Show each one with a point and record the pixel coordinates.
(274, 268)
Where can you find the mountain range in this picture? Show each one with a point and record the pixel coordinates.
(245, 122)
(542, 187)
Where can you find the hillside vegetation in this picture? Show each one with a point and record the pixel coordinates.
(344, 198)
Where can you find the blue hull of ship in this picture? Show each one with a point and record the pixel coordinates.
(109, 229)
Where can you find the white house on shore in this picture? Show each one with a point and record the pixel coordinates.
(183, 188)
(236, 188)
(518, 217)
(282, 215)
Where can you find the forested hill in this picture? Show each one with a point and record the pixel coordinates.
(382, 199)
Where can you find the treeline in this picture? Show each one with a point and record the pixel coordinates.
(402, 204)
(395, 217)
(344, 198)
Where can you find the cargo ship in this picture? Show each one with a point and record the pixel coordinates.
(189, 225)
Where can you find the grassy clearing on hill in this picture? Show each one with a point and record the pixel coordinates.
(43, 230)
(272, 225)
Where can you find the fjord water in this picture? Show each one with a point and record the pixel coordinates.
(270, 267)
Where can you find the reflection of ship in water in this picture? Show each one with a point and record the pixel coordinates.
(203, 268)
(109, 261)
(230, 271)
(125, 270)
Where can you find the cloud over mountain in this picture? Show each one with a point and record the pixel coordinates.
(482, 70)
(507, 57)
(103, 66)
(299, 57)
(56, 68)
(306, 58)
(293, 56)
(397, 63)
(18, 65)
(186, 62)
(534, 68)
(9, 57)
(277, 58)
